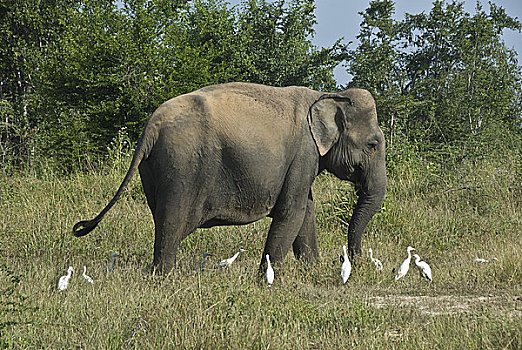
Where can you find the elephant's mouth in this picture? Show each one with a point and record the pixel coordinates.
(342, 163)
(355, 174)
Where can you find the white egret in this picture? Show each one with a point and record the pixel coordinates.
(227, 262)
(481, 260)
(346, 267)
(405, 266)
(377, 262)
(202, 264)
(269, 276)
(87, 278)
(63, 282)
(424, 268)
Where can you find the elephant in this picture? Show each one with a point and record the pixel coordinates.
(234, 153)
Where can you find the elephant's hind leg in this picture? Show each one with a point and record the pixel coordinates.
(147, 181)
(174, 220)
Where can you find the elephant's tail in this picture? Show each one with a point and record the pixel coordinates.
(150, 135)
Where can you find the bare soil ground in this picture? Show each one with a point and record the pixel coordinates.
(451, 304)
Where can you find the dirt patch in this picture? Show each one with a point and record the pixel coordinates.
(450, 304)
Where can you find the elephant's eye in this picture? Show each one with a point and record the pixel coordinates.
(372, 145)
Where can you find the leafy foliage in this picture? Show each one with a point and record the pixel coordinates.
(275, 49)
(106, 65)
(443, 79)
(29, 31)
(74, 73)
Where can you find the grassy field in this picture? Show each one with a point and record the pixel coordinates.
(451, 217)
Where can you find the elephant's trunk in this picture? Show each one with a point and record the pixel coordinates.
(371, 191)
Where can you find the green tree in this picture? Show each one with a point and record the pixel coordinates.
(76, 74)
(28, 34)
(445, 77)
(276, 49)
(204, 46)
(83, 81)
(378, 64)
(464, 66)
(108, 75)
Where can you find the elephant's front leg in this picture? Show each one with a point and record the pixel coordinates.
(305, 244)
(286, 224)
(291, 214)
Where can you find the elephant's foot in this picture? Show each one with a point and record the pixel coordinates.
(163, 266)
(354, 249)
(305, 251)
(355, 256)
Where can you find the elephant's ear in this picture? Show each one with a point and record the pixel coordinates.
(323, 119)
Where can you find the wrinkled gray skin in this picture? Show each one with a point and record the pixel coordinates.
(234, 153)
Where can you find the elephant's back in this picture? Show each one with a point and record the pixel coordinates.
(238, 119)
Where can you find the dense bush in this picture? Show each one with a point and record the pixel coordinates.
(444, 81)
(75, 73)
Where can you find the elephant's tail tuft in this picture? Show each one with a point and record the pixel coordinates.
(84, 227)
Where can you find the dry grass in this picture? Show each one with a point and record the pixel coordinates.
(450, 217)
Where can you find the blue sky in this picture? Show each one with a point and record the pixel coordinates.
(340, 18)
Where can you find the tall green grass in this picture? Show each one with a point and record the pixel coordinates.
(450, 215)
